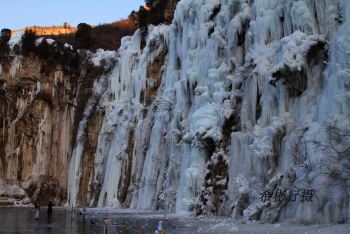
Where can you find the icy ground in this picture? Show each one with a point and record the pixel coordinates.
(186, 223)
(20, 220)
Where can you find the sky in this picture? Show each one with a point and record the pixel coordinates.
(17, 14)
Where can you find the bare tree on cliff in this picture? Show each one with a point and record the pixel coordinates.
(337, 165)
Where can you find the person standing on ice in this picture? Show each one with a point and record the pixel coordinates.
(49, 209)
(37, 210)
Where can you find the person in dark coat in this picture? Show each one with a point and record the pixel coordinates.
(49, 209)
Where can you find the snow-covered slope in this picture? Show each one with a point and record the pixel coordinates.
(234, 98)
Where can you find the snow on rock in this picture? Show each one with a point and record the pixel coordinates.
(15, 39)
(66, 45)
(40, 39)
(50, 41)
(100, 55)
(12, 195)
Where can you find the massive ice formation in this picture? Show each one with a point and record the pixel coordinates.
(233, 98)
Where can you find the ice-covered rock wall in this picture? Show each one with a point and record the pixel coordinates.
(234, 98)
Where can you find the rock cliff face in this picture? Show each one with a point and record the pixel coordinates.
(236, 108)
(39, 117)
(46, 112)
(169, 10)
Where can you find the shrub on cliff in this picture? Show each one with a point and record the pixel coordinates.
(70, 59)
(28, 42)
(143, 18)
(57, 54)
(83, 36)
(44, 50)
(155, 12)
(5, 37)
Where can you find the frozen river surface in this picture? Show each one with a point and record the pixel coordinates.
(21, 221)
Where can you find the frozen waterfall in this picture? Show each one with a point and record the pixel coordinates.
(231, 99)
